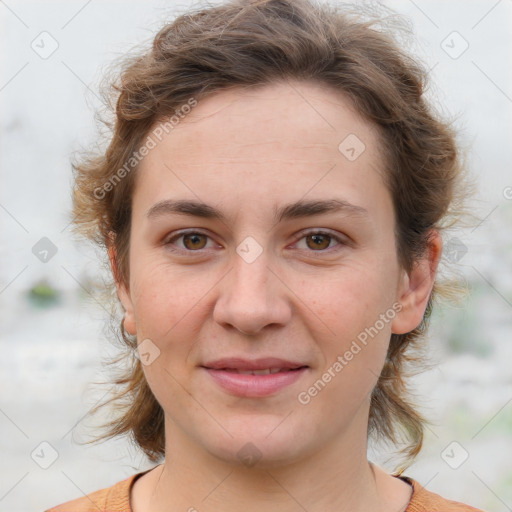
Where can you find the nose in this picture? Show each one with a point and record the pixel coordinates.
(252, 297)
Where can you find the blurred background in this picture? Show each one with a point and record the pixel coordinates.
(54, 331)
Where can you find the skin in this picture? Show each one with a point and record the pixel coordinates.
(245, 152)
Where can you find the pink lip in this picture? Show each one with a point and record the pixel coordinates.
(253, 386)
(262, 363)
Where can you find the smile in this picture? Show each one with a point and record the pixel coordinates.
(255, 383)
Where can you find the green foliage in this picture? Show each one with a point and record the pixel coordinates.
(43, 294)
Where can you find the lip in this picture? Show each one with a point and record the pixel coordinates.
(254, 386)
(262, 363)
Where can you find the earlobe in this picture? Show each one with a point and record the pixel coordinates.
(122, 293)
(416, 287)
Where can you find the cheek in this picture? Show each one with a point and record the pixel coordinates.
(171, 308)
(355, 346)
(348, 312)
(349, 301)
(166, 308)
(163, 296)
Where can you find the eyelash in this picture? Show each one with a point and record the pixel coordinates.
(181, 234)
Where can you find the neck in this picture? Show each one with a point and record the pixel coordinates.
(337, 477)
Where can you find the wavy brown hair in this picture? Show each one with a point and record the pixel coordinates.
(252, 43)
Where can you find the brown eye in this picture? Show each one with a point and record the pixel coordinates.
(188, 242)
(318, 241)
(194, 241)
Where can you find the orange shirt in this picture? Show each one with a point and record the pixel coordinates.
(117, 499)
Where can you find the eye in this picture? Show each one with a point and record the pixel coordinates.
(195, 241)
(192, 241)
(319, 241)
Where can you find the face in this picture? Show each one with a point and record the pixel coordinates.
(289, 265)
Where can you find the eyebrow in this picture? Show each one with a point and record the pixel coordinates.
(296, 210)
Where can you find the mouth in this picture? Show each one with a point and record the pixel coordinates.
(256, 378)
(266, 371)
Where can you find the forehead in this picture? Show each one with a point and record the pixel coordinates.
(291, 114)
(285, 137)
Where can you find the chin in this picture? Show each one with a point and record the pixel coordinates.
(255, 448)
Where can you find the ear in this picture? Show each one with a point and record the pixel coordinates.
(415, 288)
(122, 292)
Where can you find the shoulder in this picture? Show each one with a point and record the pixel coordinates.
(423, 500)
(112, 499)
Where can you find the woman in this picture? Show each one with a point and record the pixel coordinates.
(272, 203)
